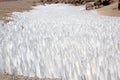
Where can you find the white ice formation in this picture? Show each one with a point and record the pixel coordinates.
(61, 41)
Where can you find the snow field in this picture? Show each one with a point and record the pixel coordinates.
(61, 41)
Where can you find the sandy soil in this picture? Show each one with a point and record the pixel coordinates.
(7, 7)
(110, 10)
(12, 77)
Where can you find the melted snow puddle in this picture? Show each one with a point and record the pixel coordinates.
(61, 41)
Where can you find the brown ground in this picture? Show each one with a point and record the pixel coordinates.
(111, 10)
(12, 77)
(7, 7)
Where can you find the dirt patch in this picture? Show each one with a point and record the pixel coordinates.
(12, 77)
(111, 10)
(7, 7)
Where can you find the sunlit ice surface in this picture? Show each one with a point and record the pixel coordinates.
(61, 41)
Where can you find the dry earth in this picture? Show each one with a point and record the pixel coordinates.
(7, 7)
(12, 77)
(111, 10)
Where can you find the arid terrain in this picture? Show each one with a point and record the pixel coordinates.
(13, 77)
(7, 7)
(110, 10)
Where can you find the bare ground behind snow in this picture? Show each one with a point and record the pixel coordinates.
(110, 10)
(7, 7)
